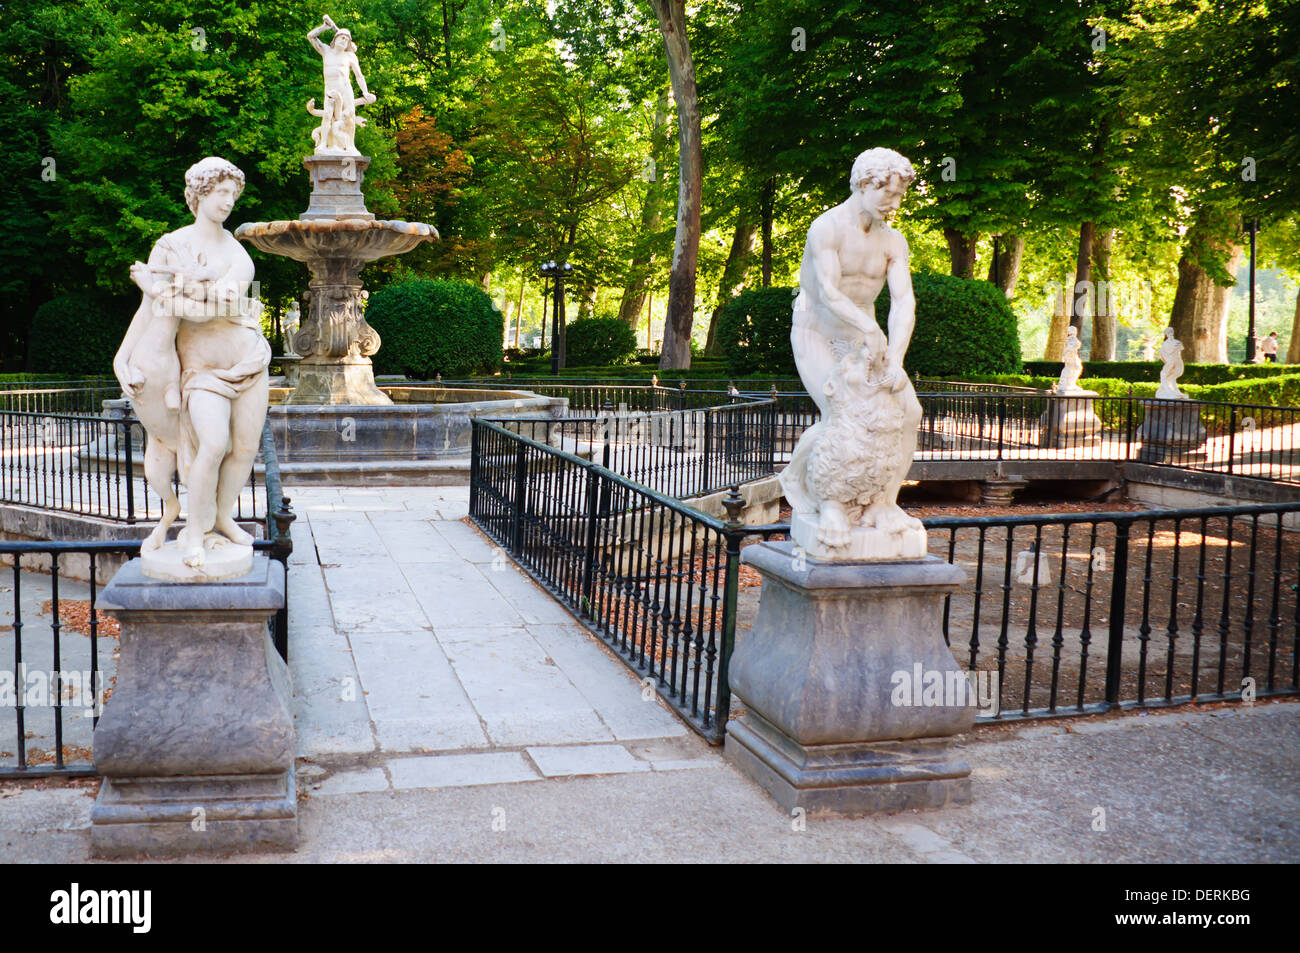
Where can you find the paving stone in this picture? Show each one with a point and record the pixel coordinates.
(373, 594)
(411, 540)
(585, 759)
(353, 782)
(467, 541)
(461, 770)
(611, 688)
(414, 697)
(325, 721)
(533, 603)
(522, 696)
(462, 596)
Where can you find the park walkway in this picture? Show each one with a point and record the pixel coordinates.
(422, 657)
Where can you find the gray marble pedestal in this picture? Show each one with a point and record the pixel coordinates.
(196, 743)
(1070, 421)
(823, 729)
(1171, 432)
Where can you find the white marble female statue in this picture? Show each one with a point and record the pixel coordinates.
(844, 475)
(1072, 364)
(289, 327)
(193, 363)
(1171, 352)
(338, 115)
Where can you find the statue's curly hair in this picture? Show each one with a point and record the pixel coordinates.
(877, 165)
(203, 176)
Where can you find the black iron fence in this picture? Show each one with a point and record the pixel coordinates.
(57, 397)
(85, 465)
(55, 669)
(1083, 613)
(1061, 614)
(681, 454)
(1253, 440)
(654, 578)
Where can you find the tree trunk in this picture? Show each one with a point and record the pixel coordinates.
(690, 163)
(1011, 249)
(1104, 326)
(1055, 349)
(1199, 314)
(632, 303)
(767, 210)
(1082, 277)
(1293, 349)
(961, 250)
(733, 272)
(587, 301)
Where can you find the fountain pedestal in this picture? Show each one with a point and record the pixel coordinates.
(335, 238)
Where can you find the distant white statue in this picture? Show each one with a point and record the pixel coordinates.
(289, 327)
(338, 114)
(1072, 368)
(193, 363)
(843, 478)
(1171, 352)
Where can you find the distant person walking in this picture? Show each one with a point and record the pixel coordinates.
(1268, 348)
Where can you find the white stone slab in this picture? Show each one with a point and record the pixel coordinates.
(521, 694)
(612, 689)
(531, 601)
(469, 542)
(330, 713)
(411, 540)
(585, 759)
(461, 770)
(373, 594)
(459, 594)
(414, 697)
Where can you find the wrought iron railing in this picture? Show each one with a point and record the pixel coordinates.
(52, 635)
(654, 578)
(85, 465)
(1083, 613)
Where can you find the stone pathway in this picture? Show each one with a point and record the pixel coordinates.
(422, 657)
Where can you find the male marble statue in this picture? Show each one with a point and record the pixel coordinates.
(193, 362)
(338, 115)
(1171, 352)
(844, 475)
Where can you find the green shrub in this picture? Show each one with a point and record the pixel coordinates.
(753, 332)
(599, 341)
(77, 334)
(963, 326)
(435, 327)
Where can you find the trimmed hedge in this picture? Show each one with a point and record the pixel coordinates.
(599, 341)
(435, 327)
(77, 334)
(962, 326)
(1136, 371)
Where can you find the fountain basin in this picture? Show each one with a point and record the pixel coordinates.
(423, 437)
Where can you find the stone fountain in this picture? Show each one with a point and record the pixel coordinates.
(332, 423)
(335, 238)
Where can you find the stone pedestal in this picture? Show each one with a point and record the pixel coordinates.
(336, 381)
(196, 743)
(825, 727)
(1070, 421)
(1171, 432)
(336, 187)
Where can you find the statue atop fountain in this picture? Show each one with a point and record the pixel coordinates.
(1171, 353)
(845, 473)
(338, 117)
(336, 237)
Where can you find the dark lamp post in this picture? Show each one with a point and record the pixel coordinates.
(557, 271)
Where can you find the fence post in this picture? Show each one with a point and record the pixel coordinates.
(473, 466)
(706, 482)
(1118, 599)
(521, 489)
(1002, 417)
(1128, 426)
(734, 531)
(589, 545)
(130, 471)
(1232, 435)
(282, 547)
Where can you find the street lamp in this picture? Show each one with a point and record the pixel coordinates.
(1252, 228)
(557, 271)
